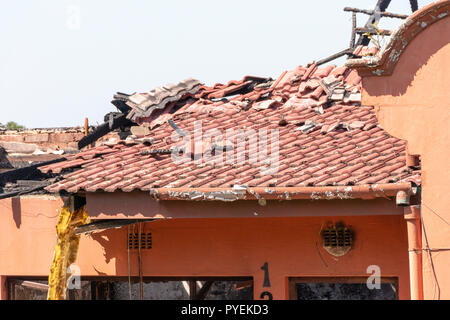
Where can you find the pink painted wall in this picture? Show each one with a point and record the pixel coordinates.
(213, 247)
(414, 104)
(28, 234)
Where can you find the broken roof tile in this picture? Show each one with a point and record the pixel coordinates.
(339, 144)
(143, 104)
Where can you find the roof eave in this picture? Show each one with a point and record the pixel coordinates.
(367, 191)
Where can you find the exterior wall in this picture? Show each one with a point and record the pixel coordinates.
(28, 234)
(120, 205)
(226, 247)
(414, 104)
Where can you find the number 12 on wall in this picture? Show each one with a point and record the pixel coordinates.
(266, 283)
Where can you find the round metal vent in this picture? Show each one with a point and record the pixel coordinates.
(337, 239)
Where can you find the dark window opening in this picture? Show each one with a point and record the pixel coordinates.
(118, 288)
(342, 289)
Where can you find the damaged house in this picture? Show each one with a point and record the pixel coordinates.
(301, 187)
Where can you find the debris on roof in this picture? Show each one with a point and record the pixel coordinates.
(368, 32)
(144, 104)
(26, 179)
(4, 162)
(22, 187)
(326, 138)
(23, 150)
(115, 121)
(383, 61)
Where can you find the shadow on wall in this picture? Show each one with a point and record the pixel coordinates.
(104, 239)
(16, 209)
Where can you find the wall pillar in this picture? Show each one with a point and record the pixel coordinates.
(3, 288)
(412, 217)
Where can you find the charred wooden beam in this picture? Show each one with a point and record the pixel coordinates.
(192, 289)
(4, 162)
(382, 14)
(156, 152)
(119, 102)
(352, 40)
(414, 5)
(26, 173)
(334, 56)
(76, 202)
(103, 129)
(375, 16)
(373, 31)
(30, 183)
(108, 224)
(201, 294)
(22, 192)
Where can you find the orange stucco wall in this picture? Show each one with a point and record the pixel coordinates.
(414, 104)
(213, 247)
(120, 205)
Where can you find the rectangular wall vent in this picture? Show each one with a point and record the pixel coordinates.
(146, 240)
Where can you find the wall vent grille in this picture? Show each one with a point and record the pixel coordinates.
(337, 239)
(146, 240)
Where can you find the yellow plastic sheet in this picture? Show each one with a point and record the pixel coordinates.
(65, 251)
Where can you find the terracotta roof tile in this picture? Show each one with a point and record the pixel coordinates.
(321, 142)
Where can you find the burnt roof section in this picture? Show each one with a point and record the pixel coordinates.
(144, 104)
(326, 138)
(383, 63)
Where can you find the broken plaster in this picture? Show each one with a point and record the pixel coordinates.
(329, 195)
(226, 196)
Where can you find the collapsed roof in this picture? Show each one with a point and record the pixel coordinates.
(326, 137)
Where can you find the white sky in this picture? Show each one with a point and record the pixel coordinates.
(55, 72)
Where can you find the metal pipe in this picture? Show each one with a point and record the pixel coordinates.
(128, 257)
(141, 284)
(86, 126)
(402, 198)
(412, 217)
